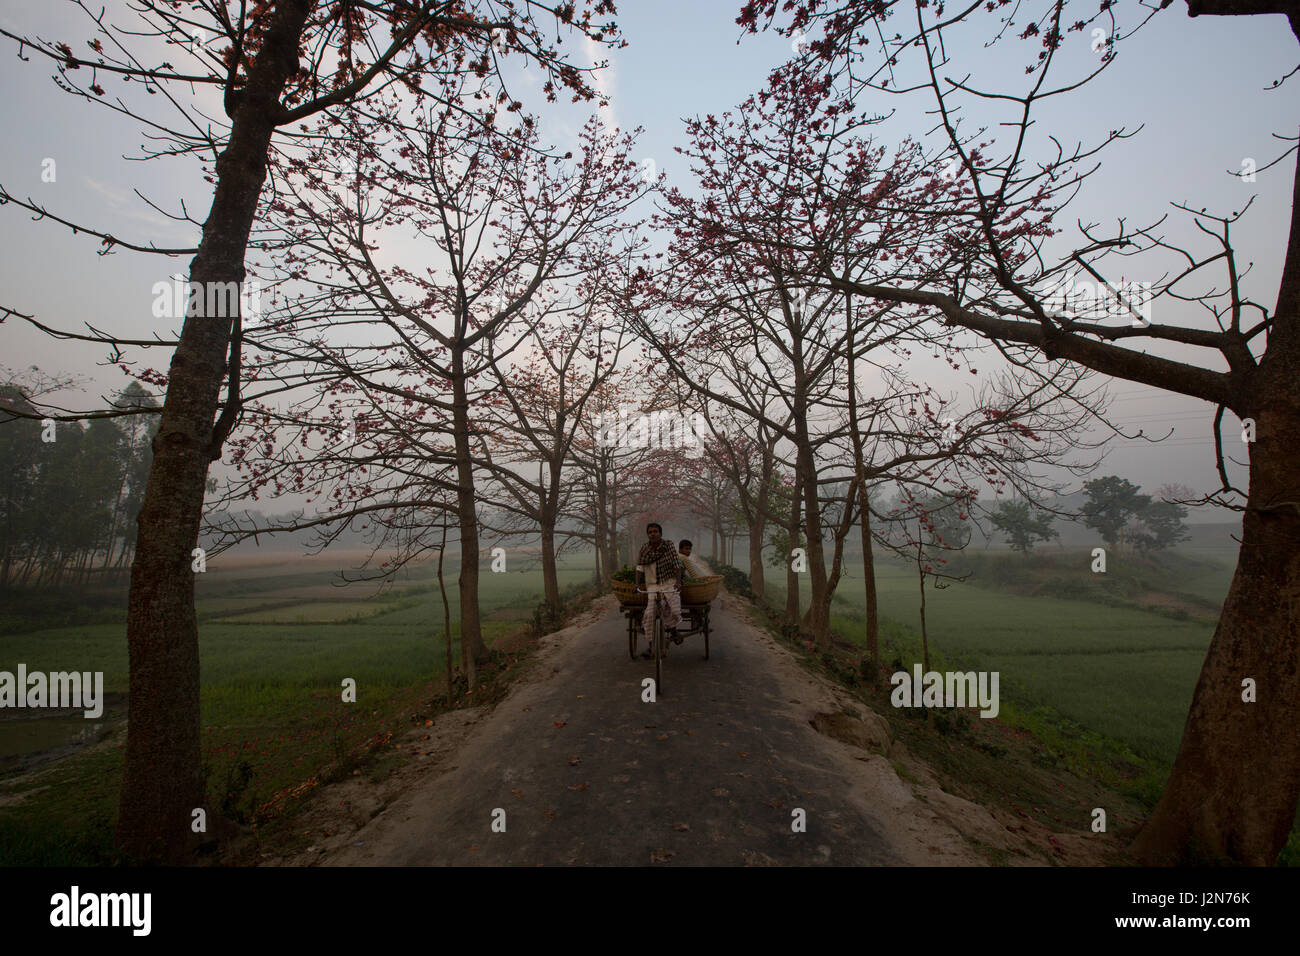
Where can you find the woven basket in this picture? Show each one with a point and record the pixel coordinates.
(627, 593)
(701, 590)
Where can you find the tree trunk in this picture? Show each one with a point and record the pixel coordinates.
(49, 569)
(758, 515)
(604, 535)
(446, 612)
(550, 579)
(1232, 794)
(472, 649)
(161, 782)
(791, 575)
(925, 636)
(112, 524)
(612, 518)
(603, 571)
(864, 498)
(56, 568)
(28, 567)
(817, 620)
(757, 583)
(550, 507)
(869, 582)
(840, 532)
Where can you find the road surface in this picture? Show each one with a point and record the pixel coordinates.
(726, 768)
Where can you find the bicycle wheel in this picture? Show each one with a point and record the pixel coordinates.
(659, 654)
(631, 636)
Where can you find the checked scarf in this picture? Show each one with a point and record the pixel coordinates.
(664, 557)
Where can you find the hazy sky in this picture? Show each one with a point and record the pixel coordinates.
(1198, 85)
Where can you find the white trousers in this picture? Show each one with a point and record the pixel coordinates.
(672, 617)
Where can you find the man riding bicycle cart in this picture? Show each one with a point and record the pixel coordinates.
(667, 599)
(659, 570)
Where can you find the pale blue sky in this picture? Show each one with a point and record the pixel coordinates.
(1197, 84)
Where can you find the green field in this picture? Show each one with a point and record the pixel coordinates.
(1099, 668)
(1117, 669)
(275, 643)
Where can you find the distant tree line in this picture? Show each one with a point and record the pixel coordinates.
(1114, 508)
(1128, 520)
(68, 505)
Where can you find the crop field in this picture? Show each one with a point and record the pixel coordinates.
(277, 638)
(1120, 657)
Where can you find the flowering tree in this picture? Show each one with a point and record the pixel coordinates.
(509, 253)
(269, 64)
(538, 416)
(1235, 784)
(743, 318)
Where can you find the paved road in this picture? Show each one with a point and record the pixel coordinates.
(588, 773)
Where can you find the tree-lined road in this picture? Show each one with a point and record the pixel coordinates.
(587, 773)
